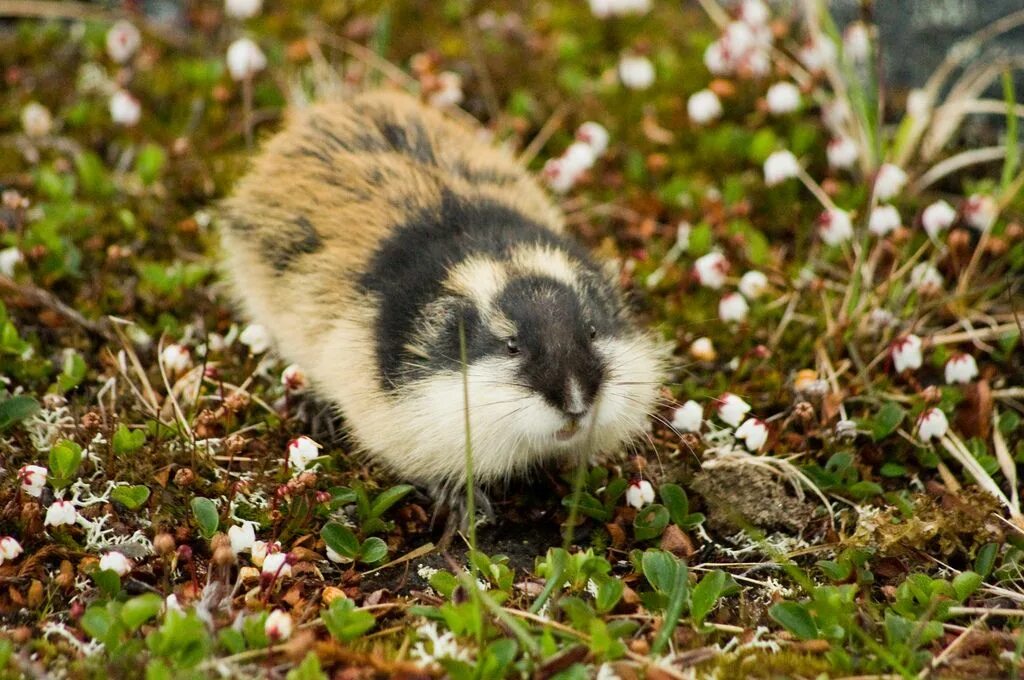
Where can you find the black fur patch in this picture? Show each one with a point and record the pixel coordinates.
(282, 249)
(410, 139)
(408, 269)
(554, 339)
(484, 175)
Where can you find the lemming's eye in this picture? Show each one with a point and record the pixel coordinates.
(593, 332)
(512, 346)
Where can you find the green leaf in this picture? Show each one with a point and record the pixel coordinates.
(150, 163)
(373, 550)
(132, 497)
(965, 583)
(589, 506)
(340, 539)
(705, 594)
(128, 441)
(65, 457)
(609, 592)
(97, 622)
(344, 621)
(309, 669)
(207, 517)
(986, 558)
(388, 498)
(16, 409)
(795, 618)
(660, 569)
(674, 498)
(887, 420)
(93, 175)
(72, 373)
(138, 610)
(108, 581)
(650, 522)
(678, 594)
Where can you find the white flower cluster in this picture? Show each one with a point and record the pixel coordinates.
(562, 173)
(744, 48)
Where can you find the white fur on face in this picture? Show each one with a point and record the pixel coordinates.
(420, 431)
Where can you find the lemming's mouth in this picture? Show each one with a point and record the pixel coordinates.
(568, 432)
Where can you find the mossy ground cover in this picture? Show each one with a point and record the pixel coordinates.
(838, 268)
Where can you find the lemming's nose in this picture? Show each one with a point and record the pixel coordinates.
(575, 400)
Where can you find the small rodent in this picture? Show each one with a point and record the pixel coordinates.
(363, 237)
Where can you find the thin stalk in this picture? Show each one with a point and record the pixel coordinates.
(474, 591)
(1012, 152)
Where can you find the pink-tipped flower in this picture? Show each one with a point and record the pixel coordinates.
(639, 493)
(704, 107)
(689, 417)
(245, 59)
(779, 167)
(260, 550)
(123, 39)
(636, 71)
(702, 349)
(116, 562)
(753, 284)
(242, 537)
(256, 337)
(961, 368)
(857, 42)
(889, 182)
(293, 379)
(731, 409)
(753, 432)
(242, 9)
(717, 59)
(124, 108)
(558, 176)
(36, 120)
(817, 54)
(176, 358)
(842, 153)
(301, 452)
(595, 135)
(938, 217)
(932, 424)
(835, 227)
(884, 220)
(33, 479)
(733, 307)
(60, 513)
(579, 158)
(449, 93)
(278, 626)
(906, 353)
(711, 270)
(276, 564)
(981, 211)
(9, 549)
(755, 13)
(783, 98)
(926, 279)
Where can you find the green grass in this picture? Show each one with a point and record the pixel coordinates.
(846, 545)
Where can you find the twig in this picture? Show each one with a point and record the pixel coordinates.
(960, 161)
(42, 298)
(411, 555)
(553, 122)
(950, 648)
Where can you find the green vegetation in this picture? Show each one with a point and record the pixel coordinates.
(841, 279)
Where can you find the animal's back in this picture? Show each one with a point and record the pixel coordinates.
(302, 226)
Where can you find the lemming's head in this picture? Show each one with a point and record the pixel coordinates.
(550, 358)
